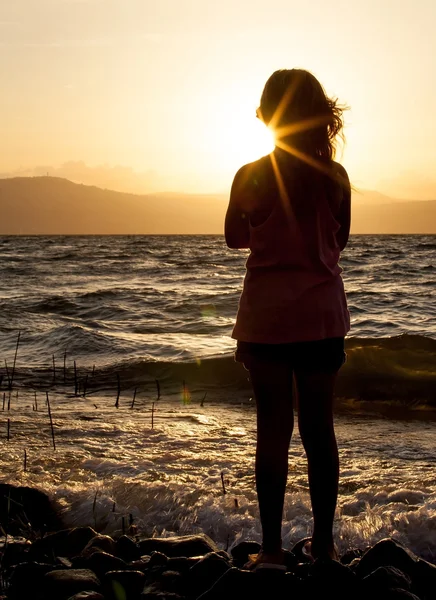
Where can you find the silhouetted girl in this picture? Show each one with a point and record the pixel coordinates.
(292, 210)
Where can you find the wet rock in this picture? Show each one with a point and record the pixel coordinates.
(26, 578)
(123, 584)
(182, 564)
(167, 582)
(87, 596)
(141, 564)
(102, 543)
(157, 559)
(424, 580)
(297, 551)
(387, 553)
(67, 542)
(15, 551)
(24, 509)
(127, 549)
(331, 579)
(350, 556)
(241, 552)
(62, 584)
(237, 584)
(205, 573)
(186, 545)
(100, 563)
(385, 578)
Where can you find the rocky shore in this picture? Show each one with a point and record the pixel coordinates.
(81, 564)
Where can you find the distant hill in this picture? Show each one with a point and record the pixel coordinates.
(51, 205)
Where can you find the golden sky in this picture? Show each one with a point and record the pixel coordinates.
(149, 95)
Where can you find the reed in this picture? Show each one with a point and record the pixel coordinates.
(51, 422)
(158, 388)
(9, 400)
(203, 399)
(4, 400)
(223, 483)
(134, 397)
(15, 359)
(36, 402)
(117, 403)
(76, 383)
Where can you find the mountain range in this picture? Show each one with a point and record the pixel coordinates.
(53, 205)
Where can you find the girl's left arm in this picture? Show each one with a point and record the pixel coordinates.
(236, 226)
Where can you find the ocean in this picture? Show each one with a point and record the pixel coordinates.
(153, 419)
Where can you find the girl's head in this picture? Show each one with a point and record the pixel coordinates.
(295, 106)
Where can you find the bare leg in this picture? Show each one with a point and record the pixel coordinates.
(315, 421)
(272, 386)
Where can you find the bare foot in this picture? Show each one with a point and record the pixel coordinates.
(320, 551)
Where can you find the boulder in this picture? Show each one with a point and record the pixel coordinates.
(185, 545)
(102, 543)
(205, 573)
(100, 563)
(64, 583)
(66, 543)
(387, 553)
(87, 596)
(123, 584)
(26, 577)
(241, 552)
(385, 578)
(24, 510)
(127, 549)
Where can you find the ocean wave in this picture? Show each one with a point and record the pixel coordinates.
(400, 369)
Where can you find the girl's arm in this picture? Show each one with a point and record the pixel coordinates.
(344, 216)
(236, 226)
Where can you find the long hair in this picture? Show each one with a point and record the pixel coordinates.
(296, 107)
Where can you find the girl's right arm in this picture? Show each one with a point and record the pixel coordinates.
(344, 215)
(236, 227)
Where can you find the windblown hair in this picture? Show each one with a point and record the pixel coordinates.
(295, 105)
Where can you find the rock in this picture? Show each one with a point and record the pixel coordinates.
(350, 556)
(26, 577)
(62, 584)
(168, 582)
(237, 584)
(182, 564)
(396, 594)
(140, 564)
(241, 552)
(66, 543)
(100, 563)
(157, 559)
(24, 509)
(331, 579)
(87, 596)
(205, 573)
(123, 584)
(15, 552)
(385, 578)
(186, 545)
(424, 580)
(127, 549)
(297, 550)
(387, 553)
(102, 543)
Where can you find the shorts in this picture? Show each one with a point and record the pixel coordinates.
(320, 356)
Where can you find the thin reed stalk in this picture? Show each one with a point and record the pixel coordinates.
(117, 403)
(223, 484)
(36, 402)
(15, 359)
(134, 397)
(76, 383)
(158, 389)
(51, 422)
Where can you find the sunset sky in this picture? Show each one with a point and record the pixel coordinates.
(146, 95)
